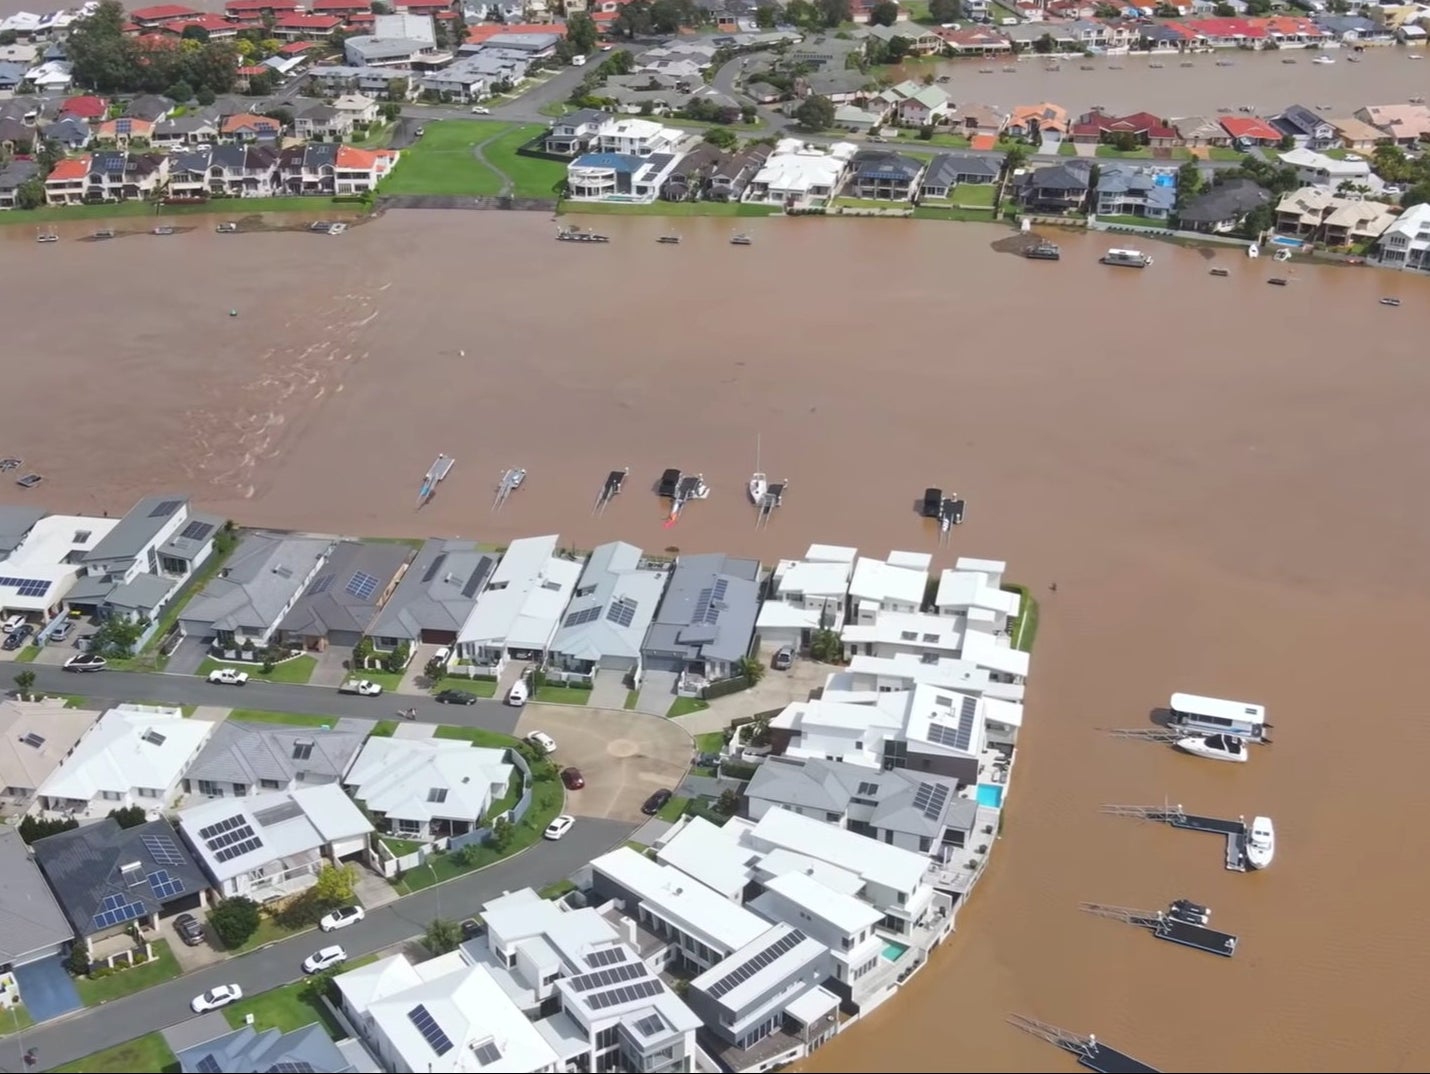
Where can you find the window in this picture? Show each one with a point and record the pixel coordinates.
(150, 792)
(908, 635)
(270, 784)
(924, 843)
(110, 796)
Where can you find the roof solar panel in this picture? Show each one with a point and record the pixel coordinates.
(650, 1025)
(582, 616)
(197, 531)
(627, 971)
(208, 1065)
(606, 957)
(431, 1032)
(752, 965)
(162, 849)
(167, 507)
(967, 709)
(27, 587)
(626, 994)
(435, 567)
(622, 612)
(361, 585)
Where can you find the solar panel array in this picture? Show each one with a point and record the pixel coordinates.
(32, 739)
(431, 1032)
(165, 886)
(753, 965)
(960, 737)
(607, 957)
(197, 531)
(711, 603)
(362, 585)
(230, 838)
(622, 612)
(208, 1065)
(487, 1053)
(115, 910)
(867, 788)
(154, 738)
(165, 509)
(28, 587)
(302, 750)
(930, 799)
(322, 585)
(584, 615)
(650, 1025)
(289, 1066)
(627, 971)
(968, 709)
(162, 849)
(626, 994)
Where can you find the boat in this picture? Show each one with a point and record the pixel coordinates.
(319, 225)
(1214, 747)
(741, 240)
(1260, 843)
(227, 228)
(669, 240)
(47, 236)
(759, 484)
(1253, 251)
(1220, 272)
(1126, 258)
(1282, 254)
(687, 488)
(1390, 301)
(104, 233)
(1277, 281)
(1323, 60)
(1043, 251)
(1188, 912)
(573, 234)
(337, 229)
(1352, 59)
(163, 229)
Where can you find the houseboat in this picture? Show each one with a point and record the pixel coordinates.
(1126, 258)
(1043, 251)
(1213, 716)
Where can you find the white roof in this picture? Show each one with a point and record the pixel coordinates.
(994, 653)
(1239, 711)
(685, 903)
(876, 862)
(813, 1005)
(700, 850)
(1309, 158)
(286, 824)
(130, 747)
(775, 614)
(961, 589)
(426, 778)
(780, 861)
(896, 578)
(854, 733)
(824, 571)
(844, 912)
(930, 708)
(999, 710)
(831, 553)
(760, 975)
(959, 674)
(634, 128)
(522, 604)
(34, 737)
(983, 566)
(1414, 223)
(922, 629)
(353, 102)
(795, 169)
(48, 554)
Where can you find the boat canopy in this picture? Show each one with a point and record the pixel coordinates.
(1217, 714)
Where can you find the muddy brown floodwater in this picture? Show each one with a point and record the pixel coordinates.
(1224, 478)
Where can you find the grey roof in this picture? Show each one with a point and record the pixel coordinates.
(86, 866)
(1131, 179)
(30, 918)
(188, 123)
(142, 593)
(1298, 119)
(369, 48)
(614, 603)
(525, 42)
(15, 523)
(318, 113)
(725, 625)
(249, 753)
(89, 589)
(256, 584)
(70, 130)
(438, 591)
(148, 106)
(337, 599)
(1073, 175)
(841, 81)
(1227, 200)
(246, 1050)
(192, 547)
(947, 168)
(12, 74)
(883, 164)
(1344, 24)
(140, 526)
(17, 132)
(582, 117)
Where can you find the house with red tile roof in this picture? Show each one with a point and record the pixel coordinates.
(1255, 131)
(1290, 31)
(162, 13)
(483, 31)
(246, 127)
(1146, 128)
(254, 9)
(215, 27)
(1228, 33)
(1029, 120)
(295, 48)
(342, 8)
(65, 183)
(975, 41)
(87, 108)
(359, 170)
(299, 27)
(157, 39)
(422, 7)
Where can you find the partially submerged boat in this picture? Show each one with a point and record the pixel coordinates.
(1126, 258)
(1254, 250)
(741, 240)
(1260, 843)
(669, 240)
(227, 228)
(575, 234)
(163, 229)
(1214, 747)
(1282, 254)
(1043, 251)
(1277, 281)
(1188, 912)
(1220, 272)
(47, 236)
(1390, 301)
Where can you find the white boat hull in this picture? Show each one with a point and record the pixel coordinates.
(1253, 250)
(758, 487)
(1260, 843)
(1197, 746)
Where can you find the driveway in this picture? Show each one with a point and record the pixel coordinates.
(192, 958)
(774, 691)
(610, 691)
(657, 692)
(332, 667)
(625, 756)
(185, 660)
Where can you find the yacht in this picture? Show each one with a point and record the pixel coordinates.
(1253, 251)
(1282, 254)
(759, 484)
(1214, 747)
(1126, 258)
(1260, 843)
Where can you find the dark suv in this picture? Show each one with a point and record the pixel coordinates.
(189, 930)
(656, 802)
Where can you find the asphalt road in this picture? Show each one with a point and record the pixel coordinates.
(278, 964)
(114, 686)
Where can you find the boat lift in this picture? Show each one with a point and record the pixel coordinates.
(773, 499)
(434, 477)
(1168, 926)
(1147, 734)
(1090, 1052)
(950, 514)
(1234, 830)
(615, 481)
(510, 481)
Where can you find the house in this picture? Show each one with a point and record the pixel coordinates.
(16, 136)
(1031, 120)
(1133, 190)
(1357, 134)
(729, 177)
(16, 525)
(368, 50)
(322, 121)
(806, 596)
(430, 788)
(1142, 127)
(52, 76)
(704, 625)
(1200, 131)
(839, 922)
(243, 10)
(612, 607)
(228, 170)
(309, 169)
(88, 108)
(1406, 124)
(974, 41)
(13, 176)
(123, 130)
(925, 107)
(247, 127)
(797, 175)
(856, 120)
(1320, 216)
(247, 1049)
(33, 928)
(575, 133)
(1320, 169)
(384, 83)
(215, 27)
(108, 878)
(242, 758)
(1228, 32)
(176, 132)
(296, 27)
(895, 584)
(273, 844)
(35, 736)
(1305, 127)
(1164, 36)
(352, 583)
(921, 41)
(1058, 188)
(40, 572)
(359, 109)
(883, 175)
(824, 51)
(118, 175)
(1354, 29)
(973, 119)
(1247, 131)
(687, 179)
(66, 182)
(1405, 244)
(636, 137)
(145, 17)
(258, 585)
(435, 597)
(520, 611)
(1222, 208)
(619, 177)
(840, 86)
(69, 132)
(947, 170)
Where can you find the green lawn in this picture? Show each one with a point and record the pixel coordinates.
(14, 1020)
(290, 1007)
(673, 809)
(142, 1055)
(977, 216)
(1142, 152)
(1223, 152)
(377, 136)
(911, 140)
(1025, 628)
(221, 207)
(556, 890)
(297, 670)
(292, 719)
(268, 931)
(974, 194)
(710, 742)
(1134, 221)
(563, 695)
(73, 701)
(124, 982)
(443, 160)
(873, 204)
(479, 687)
(384, 729)
(1067, 149)
(668, 208)
(554, 109)
(500, 805)
(388, 680)
(27, 654)
(478, 736)
(401, 847)
(632, 696)
(531, 177)
(684, 706)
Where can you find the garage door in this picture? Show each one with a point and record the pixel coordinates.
(46, 989)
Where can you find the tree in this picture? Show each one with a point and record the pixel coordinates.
(826, 647)
(833, 12)
(1258, 221)
(942, 11)
(721, 138)
(258, 85)
(1224, 11)
(884, 13)
(1419, 194)
(129, 816)
(1390, 163)
(195, 32)
(181, 92)
(102, 56)
(435, 671)
(896, 48)
(33, 829)
(78, 961)
(24, 683)
(442, 936)
(1014, 159)
(751, 669)
(235, 920)
(1044, 45)
(729, 803)
(334, 886)
(379, 8)
(118, 635)
(767, 16)
(581, 32)
(31, 193)
(815, 113)
(759, 736)
(501, 835)
(803, 14)
(1189, 182)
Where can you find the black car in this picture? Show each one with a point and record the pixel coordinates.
(189, 930)
(16, 637)
(656, 802)
(471, 929)
(455, 697)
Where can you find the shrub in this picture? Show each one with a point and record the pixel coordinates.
(235, 920)
(78, 961)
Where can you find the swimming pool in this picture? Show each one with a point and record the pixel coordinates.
(1282, 240)
(893, 951)
(990, 794)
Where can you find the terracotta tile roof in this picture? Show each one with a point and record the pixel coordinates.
(320, 23)
(210, 23)
(73, 168)
(1249, 28)
(257, 7)
(295, 47)
(162, 13)
(156, 41)
(350, 156)
(1250, 127)
(339, 7)
(246, 121)
(485, 30)
(252, 72)
(84, 107)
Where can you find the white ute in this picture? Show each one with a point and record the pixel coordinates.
(228, 677)
(360, 686)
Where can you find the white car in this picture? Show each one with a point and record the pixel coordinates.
(518, 694)
(342, 918)
(442, 655)
(542, 741)
(228, 677)
(559, 827)
(360, 686)
(327, 958)
(480, 110)
(216, 997)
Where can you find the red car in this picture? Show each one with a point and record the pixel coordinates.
(573, 779)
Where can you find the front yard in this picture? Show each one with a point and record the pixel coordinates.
(142, 1055)
(298, 669)
(292, 1006)
(292, 719)
(116, 983)
(388, 680)
(563, 695)
(684, 706)
(531, 177)
(669, 208)
(674, 809)
(1135, 221)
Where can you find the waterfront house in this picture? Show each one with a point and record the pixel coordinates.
(242, 758)
(1030, 120)
(1405, 244)
(294, 27)
(258, 585)
(1164, 36)
(704, 625)
(1223, 207)
(612, 607)
(824, 51)
(39, 571)
(947, 171)
(1357, 134)
(895, 584)
(435, 598)
(66, 182)
(841, 923)
(1317, 215)
(1142, 127)
(118, 175)
(619, 177)
(351, 586)
(1228, 32)
(520, 610)
(728, 178)
(358, 171)
(247, 127)
(308, 169)
(687, 178)
(177, 132)
(1405, 124)
(228, 169)
(429, 788)
(917, 105)
(921, 41)
(805, 596)
(1305, 127)
(1249, 131)
(35, 736)
(575, 133)
(13, 176)
(1319, 169)
(840, 86)
(1134, 190)
(883, 175)
(34, 931)
(974, 41)
(796, 175)
(1354, 30)
(1200, 131)
(247, 1048)
(973, 119)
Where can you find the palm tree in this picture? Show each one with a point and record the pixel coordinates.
(24, 681)
(751, 669)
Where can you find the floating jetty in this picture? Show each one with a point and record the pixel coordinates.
(615, 481)
(510, 481)
(434, 477)
(769, 503)
(1091, 1053)
(575, 234)
(1184, 923)
(680, 489)
(1235, 831)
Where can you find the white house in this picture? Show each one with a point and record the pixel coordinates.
(429, 787)
(615, 600)
(973, 590)
(891, 634)
(844, 924)
(895, 584)
(134, 755)
(797, 175)
(854, 732)
(917, 105)
(806, 595)
(1405, 244)
(36, 576)
(1327, 172)
(268, 846)
(637, 137)
(520, 611)
(356, 108)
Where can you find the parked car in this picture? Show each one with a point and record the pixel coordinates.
(480, 110)
(542, 741)
(61, 632)
(189, 930)
(471, 929)
(656, 802)
(84, 642)
(214, 998)
(419, 132)
(442, 655)
(13, 623)
(228, 677)
(517, 695)
(17, 637)
(559, 827)
(325, 959)
(784, 659)
(360, 686)
(573, 779)
(85, 662)
(455, 697)
(341, 918)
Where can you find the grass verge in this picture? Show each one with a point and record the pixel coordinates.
(632, 696)
(710, 742)
(1067, 149)
(291, 719)
(556, 890)
(673, 809)
(142, 1055)
(531, 177)
(1135, 221)
(953, 212)
(564, 695)
(667, 208)
(1024, 630)
(162, 967)
(268, 931)
(478, 687)
(27, 654)
(291, 1007)
(444, 161)
(299, 669)
(684, 706)
(477, 736)
(388, 680)
(18, 1019)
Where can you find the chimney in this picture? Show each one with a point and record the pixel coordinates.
(628, 926)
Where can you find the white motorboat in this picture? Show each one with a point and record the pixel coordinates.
(1253, 250)
(1214, 747)
(1323, 60)
(1126, 258)
(1260, 843)
(759, 483)
(1282, 254)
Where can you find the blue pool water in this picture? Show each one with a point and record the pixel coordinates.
(1164, 179)
(1282, 240)
(894, 951)
(990, 794)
